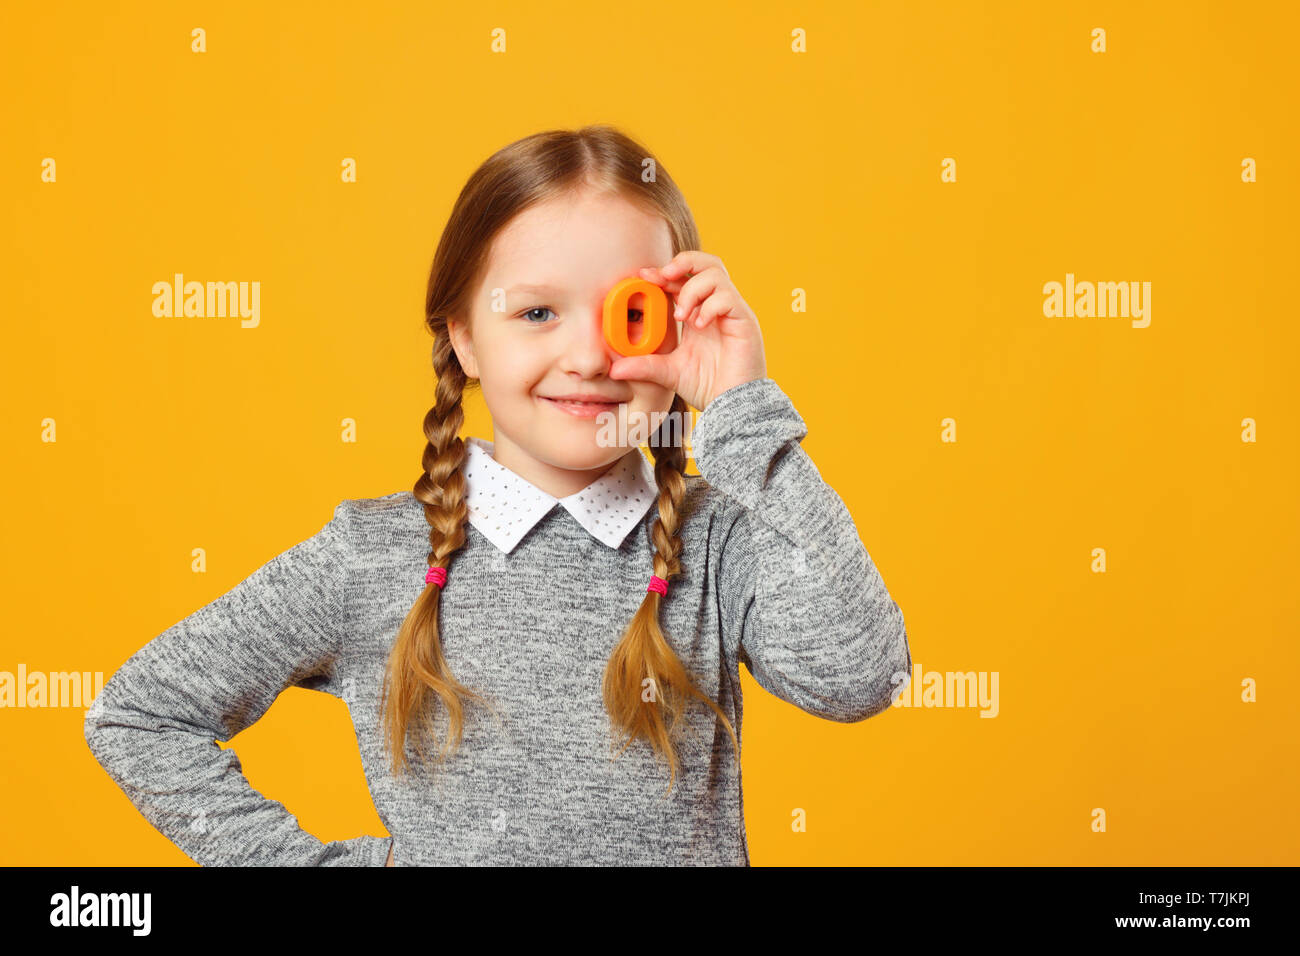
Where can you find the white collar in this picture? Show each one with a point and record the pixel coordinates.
(504, 506)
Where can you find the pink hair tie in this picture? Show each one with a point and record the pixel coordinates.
(436, 576)
(657, 584)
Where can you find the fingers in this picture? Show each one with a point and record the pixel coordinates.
(693, 278)
(692, 261)
(670, 286)
(655, 368)
(682, 267)
(698, 289)
(718, 304)
(658, 278)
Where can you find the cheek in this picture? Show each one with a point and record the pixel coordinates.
(654, 398)
(509, 372)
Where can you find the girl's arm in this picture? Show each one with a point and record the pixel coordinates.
(153, 725)
(804, 607)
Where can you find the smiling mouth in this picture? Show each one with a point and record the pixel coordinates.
(576, 403)
(582, 409)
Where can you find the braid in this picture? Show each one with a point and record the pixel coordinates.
(442, 484)
(670, 476)
(644, 679)
(416, 667)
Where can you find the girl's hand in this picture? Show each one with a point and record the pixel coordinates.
(390, 856)
(714, 343)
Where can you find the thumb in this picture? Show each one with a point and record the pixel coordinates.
(658, 369)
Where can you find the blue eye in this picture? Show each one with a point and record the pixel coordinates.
(536, 308)
(633, 315)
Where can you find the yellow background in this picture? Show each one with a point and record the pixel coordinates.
(818, 171)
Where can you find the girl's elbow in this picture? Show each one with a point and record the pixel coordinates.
(890, 668)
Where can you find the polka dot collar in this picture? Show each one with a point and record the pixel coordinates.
(504, 507)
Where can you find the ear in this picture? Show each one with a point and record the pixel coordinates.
(463, 346)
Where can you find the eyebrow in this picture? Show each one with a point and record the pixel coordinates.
(534, 289)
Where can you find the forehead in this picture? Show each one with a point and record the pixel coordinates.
(579, 242)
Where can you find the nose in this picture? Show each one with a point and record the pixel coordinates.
(586, 353)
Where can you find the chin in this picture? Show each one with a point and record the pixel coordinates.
(582, 454)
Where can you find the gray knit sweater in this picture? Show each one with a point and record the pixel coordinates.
(775, 578)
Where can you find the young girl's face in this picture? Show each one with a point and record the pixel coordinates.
(548, 272)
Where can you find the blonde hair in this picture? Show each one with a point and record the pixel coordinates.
(526, 172)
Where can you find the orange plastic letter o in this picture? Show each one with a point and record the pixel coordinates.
(654, 323)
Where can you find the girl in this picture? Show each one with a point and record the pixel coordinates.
(565, 657)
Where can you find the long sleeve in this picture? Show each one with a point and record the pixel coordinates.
(153, 726)
(804, 605)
